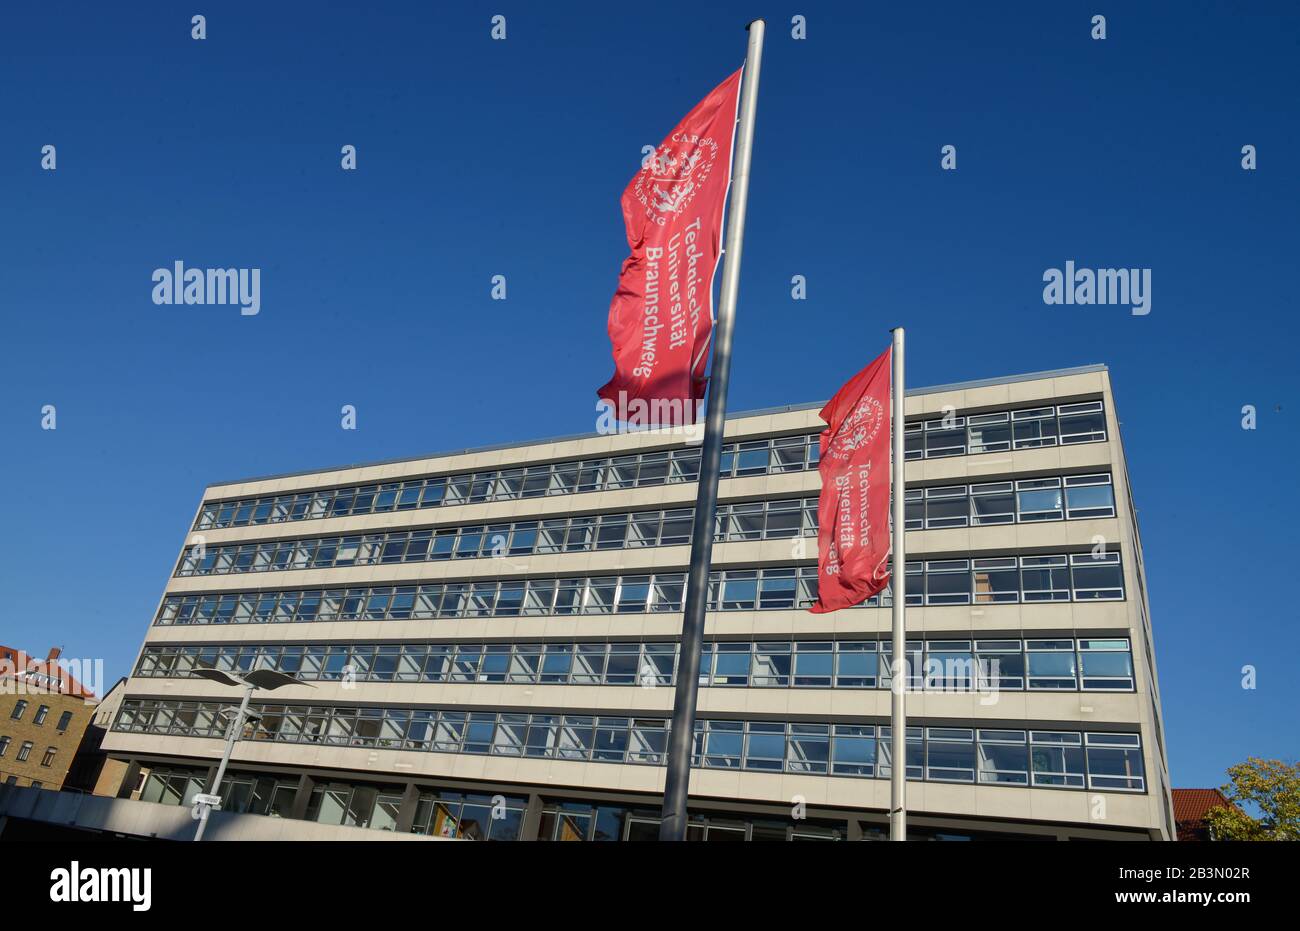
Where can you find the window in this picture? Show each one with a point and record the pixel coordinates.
(997, 581)
(740, 591)
(659, 664)
(1033, 429)
(1045, 578)
(723, 742)
(945, 437)
(814, 664)
(20, 708)
(48, 758)
(611, 739)
(1089, 496)
(1002, 757)
(731, 664)
(24, 751)
(947, 582)
(989, 433)
(855, 665)
(946, 507)
(914, 509)
(1115, 762)
(541, 735)
(913, 441)
(1106, 665)
(669, 591)
(1039, 499)
(772, 665)
(912, 659)
(444, 813)
(1000, 665)
(1097, 577)
(685, 466)
(4, 745)
(752, 458)
(622, 664)
(1056, 758)
(777, 589)
(915, 749)
(949, 666)
(576, 738)
(1082, 423)
(808, 750)
(1051, 664)
(992, 503)
(950, 754)
(765, 747)
(789, 454)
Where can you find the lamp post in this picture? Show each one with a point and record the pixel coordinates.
(267, 679)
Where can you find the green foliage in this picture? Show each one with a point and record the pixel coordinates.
(1270, 787)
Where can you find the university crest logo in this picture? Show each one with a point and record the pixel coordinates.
(675, 174)
(858, 429)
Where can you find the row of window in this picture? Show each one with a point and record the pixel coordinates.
(995, 580)
(951, 436)
(603, 821)
(1025, 501)
(749, 521)
(438, 811)
(1060, 759)
(1034, 500)
(42, 712)
(644, 470)
(1093, 664)
(1032, 428)
(241, 793)
(25, 750)
(446, 812)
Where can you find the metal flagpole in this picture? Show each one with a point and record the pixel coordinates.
(680, 737)
(898, 582)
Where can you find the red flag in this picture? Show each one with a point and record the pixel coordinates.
(853, 510)
(661, 318)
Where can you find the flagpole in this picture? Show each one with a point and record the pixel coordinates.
(898, 692)
(680, 737)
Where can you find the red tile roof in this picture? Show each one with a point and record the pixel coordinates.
(41, 675)
(1192, 804)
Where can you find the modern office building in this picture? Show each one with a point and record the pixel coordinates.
(487, 638)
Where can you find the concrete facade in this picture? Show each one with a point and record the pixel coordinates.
(857, 804)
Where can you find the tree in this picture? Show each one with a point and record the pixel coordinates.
(1270, 787)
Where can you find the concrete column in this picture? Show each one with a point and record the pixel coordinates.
(302, 798)
(406, 812)
(532, 818)
(129, 779)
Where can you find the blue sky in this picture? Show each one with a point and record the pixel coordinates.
(478, 158)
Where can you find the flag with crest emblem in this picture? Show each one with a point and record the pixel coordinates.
(661, 318)
(853, 540)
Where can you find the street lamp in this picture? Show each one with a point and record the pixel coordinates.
(267, 679)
